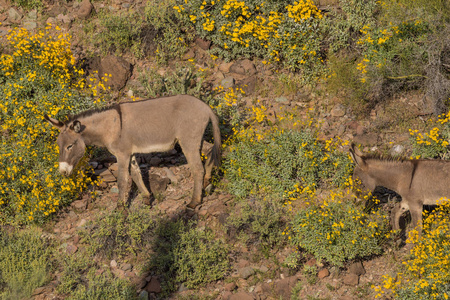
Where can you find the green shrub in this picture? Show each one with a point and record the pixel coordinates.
(24, 263)
(116, 33)
(38, 77)
(172, 34)
(81, 279)
(200, 257)
(275, 31)
(183, 253)
(283, 164)
(435, 143)
(403, 51)
(114, 235)
(425, 273)
(29, 4)
(262, 222)
(338, 231)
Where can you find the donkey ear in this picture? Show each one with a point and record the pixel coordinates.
(356, 156)
(54, 122)
(76, 126)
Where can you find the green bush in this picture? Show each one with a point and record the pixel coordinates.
(116, 33)
(260, 222)
(81, 279)
(183, 253)
(435, 143)
(171, 35)
(38, 77)
(275, 31)
(24, 263)
(200, 257)
(283, 164)
(114, 235)
(403, 50)
(338, 230)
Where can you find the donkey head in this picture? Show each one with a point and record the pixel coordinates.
(71, 144)
(361, 172)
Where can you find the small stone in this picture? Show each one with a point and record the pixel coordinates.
(114, 189)
(246, 272)
(14, 15)
(282, 100)
(323, 273)
(230, 286)
(85, 9)
(153, 286)
(81, 223)
(397, 150)
(71, 249)
(351, 279)
(143, 295)
(311, 262)
(338, 111)
(113, 264)
(227, 82)
(357, 268)
(127, 267)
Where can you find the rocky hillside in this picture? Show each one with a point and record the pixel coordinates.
(235, 247)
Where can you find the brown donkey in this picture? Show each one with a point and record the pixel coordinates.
(146, 126)
(419, 182)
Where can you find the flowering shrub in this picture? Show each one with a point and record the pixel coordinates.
(282, 163)
(338, 230)
(274, 31)
(37, 78)
(435, 143)
(426, 275)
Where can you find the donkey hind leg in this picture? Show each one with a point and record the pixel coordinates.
(209, 165)
(137, 178)
(195, 164)
(396, 213)
(122, 180)
(416, 217)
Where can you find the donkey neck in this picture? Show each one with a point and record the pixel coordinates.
(101, 128)
(391, 174)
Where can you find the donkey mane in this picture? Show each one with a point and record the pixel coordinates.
(93, 111)
(385, 158)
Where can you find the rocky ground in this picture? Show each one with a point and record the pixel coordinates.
(170, 177)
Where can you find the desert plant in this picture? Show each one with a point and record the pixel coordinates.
(114, 235)
(24, 262)
(435, 143)
(262, 222)
(183, 253)
(282, 164)
(38, 77)
(426, 273)
(338, 230)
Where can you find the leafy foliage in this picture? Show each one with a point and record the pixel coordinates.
(282, 164)
(338, 230)
(24, 263)
(38, 77)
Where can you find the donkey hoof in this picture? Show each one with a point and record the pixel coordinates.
(193, 204)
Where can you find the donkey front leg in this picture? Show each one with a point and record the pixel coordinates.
(137, 178)
(123, 163)
(396, 213)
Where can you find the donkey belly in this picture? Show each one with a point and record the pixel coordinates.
(149, 148)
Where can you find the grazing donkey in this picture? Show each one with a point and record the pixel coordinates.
(419, 182)
(153, 125)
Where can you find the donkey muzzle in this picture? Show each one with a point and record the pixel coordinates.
(65, 169)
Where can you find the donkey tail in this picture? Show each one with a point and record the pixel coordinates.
(217, 148)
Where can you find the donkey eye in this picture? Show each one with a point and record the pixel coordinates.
(69, 147)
